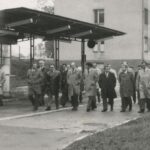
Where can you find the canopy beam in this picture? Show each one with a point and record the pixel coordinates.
(31, 50)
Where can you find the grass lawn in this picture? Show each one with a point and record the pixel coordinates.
(134, 135)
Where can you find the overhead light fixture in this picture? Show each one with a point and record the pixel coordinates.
(8, 32)
(81, 34)
(19, 23)
(60, 29)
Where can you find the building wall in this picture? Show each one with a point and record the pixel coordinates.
(146, 30)
(125, 16)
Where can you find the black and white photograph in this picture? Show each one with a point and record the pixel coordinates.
(75, 74)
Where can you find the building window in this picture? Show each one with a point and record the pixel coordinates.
(145, 44)
(146, 16)
(99, 16)
(102, 46)
(99, 47)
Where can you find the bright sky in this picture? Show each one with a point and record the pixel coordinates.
(33, 4)
(4, 4)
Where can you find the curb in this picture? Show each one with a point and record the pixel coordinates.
(98, 131)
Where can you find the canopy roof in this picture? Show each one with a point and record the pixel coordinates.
(20, 23)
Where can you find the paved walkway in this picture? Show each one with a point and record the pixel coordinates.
(22, 129)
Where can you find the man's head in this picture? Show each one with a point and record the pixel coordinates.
(109, 65)
(34, 65)
(139, 67)
(89, 65)
(68, 66)
(64, 66)
(107, 68)
(124, 67)
(124, 63)
(42, 63)
(73, 65)
(143, 65)
(52, 67)
(94, 65)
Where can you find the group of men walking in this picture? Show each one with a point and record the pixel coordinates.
(42, 81)
(69, 80)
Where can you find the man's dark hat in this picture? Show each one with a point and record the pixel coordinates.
(89, 64)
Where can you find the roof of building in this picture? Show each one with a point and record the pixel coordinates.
(19, 23)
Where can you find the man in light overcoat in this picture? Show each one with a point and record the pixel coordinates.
(73, 80)
(126, 80)
(2, 81)
(143, 87)
(91, 80)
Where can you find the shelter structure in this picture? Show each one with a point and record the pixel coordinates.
(23, 23)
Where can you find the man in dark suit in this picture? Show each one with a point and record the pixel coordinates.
(35, 77)
(64, 85)
(107, 83)
(44, 85)
(54, 79)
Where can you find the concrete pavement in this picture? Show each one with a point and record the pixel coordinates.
(57, 129)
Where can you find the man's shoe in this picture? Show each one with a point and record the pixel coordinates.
(141, 111)
(104, 110)
(93, 108)
(130, 109)
(122, 110)
(48, 108)
(1, 103)
(74, 108)
(88, 110)
(35, 108)
(57, 107)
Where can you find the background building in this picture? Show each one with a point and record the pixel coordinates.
(129, 16)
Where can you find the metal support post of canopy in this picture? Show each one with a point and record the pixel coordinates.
(83, 56)
(31, 50)
(57, 54)
(1, 53)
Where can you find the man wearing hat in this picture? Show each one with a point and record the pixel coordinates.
(107, 83)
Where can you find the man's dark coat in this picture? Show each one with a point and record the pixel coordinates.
(107, 85)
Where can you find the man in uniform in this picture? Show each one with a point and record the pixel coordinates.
(35, 77)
